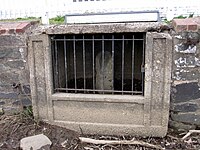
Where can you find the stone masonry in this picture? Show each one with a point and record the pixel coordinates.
(185, 84)
(185, 89)
(14, 72)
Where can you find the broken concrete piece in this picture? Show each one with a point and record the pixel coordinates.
(37, 142)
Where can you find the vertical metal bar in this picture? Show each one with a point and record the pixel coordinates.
(84, 81)
(122, 63)
(132, 70)
(56, 64)
(93, 62)
(143, 63)
(65, 53)
(113, 51)
(53, 65)
(74, 46)
(102, 62)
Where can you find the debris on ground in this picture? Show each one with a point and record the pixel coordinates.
(16, 127)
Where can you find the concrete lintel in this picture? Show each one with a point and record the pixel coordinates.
(99, 28)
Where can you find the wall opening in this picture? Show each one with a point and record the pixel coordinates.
(99, 63)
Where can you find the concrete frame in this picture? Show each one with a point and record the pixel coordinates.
(104, 114)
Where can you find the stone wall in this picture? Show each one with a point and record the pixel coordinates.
(14, 72)
(185, 89)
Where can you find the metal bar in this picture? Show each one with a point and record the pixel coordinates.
(93, 63)
(84, 80)
(56, 65)
(132, 70)
(143, 63)
(74, 46)
(96, 39)
(95, 90)
(122, 63)
(113, 52)
(65, 53)
(102, 62)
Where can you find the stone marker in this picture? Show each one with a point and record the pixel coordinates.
(37, 142)
(104, 74)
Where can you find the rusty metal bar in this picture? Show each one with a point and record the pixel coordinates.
(95, 90)
(122, 63)
(84, 81)
(93, 63)
(113, 54)
(65, 53)
(56, 66)
(143, 63)
(132, 70)
(74, 49)
(100, 39)
(103, 62)
(77, 46)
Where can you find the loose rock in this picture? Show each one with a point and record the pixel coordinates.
(37, 142)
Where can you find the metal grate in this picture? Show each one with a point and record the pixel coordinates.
(99, 63)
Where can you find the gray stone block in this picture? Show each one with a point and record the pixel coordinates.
(10, 52)
(181, 126)
(2, 103)
(35, 143)
(10, 40)
(186, 118)
(186, 74)
(186, 92)
(15, 64)
(8, 95)
(8, 78)
(24, 102)
(187, 107)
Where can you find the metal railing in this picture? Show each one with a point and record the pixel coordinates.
(99, 63)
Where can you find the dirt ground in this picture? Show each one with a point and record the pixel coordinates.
(15, 127)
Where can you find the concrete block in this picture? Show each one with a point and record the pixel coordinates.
(35, 143)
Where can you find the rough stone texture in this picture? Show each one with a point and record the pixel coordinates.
(191, 118)
(37, 142)
(102, 28)
(185, 92)
(186, 107)
(178, 126)
(14, 63)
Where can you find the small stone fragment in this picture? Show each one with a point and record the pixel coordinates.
(37, 142)
(1, 111)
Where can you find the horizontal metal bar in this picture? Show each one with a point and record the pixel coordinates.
(96, 39)
(94, 90)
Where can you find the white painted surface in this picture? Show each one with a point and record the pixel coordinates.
(103, 18)
(26, 8)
